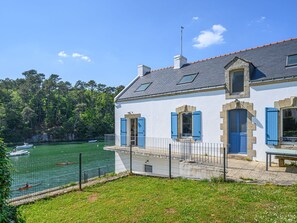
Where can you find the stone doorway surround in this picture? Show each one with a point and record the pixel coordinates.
(250, 125)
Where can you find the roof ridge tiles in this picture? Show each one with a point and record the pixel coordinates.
(228, 54)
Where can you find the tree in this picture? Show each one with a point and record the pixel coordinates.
(7, 213)
(35, 105)
(28, 115)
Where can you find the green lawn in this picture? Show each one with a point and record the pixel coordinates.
(146, 199)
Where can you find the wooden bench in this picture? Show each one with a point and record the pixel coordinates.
(281, 153)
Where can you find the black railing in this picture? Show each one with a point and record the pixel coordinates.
(183, 149)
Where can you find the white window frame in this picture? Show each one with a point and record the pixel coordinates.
(287, 60)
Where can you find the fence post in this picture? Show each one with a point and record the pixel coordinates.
(169, 160)
(224, 157)
(99, 172)
(80, 170)
(130, 158)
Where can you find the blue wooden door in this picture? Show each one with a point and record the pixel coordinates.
(237, 131)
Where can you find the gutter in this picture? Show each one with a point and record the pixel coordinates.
(208, 88)
(276, 79)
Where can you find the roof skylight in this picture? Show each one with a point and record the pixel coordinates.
(143, 87)
(188, 78)
(292, 60)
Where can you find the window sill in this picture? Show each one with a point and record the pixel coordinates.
(288, 146)
(237, 95)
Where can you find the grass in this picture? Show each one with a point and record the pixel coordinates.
(147, 199)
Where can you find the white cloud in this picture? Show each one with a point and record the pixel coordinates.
(62, 54)
(86, 58)
(210, 37)
(81, 56)
(73, 55)
(76, 55)
(195, 18)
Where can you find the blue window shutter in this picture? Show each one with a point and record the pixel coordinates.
(173, 125)
(197, 125)
(271, 126)
(141, 132)
(123, 132)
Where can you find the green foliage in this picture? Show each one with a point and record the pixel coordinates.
(33, 106)
(7, 213)
(217, 179)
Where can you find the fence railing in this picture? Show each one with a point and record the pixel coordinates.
(182, 149)
(49, 168)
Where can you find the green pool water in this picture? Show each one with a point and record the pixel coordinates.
(45, 167)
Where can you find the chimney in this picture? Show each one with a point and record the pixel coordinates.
(143, 70)
(179, 61)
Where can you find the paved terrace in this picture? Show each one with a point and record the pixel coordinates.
(239, 170)
(253, 171)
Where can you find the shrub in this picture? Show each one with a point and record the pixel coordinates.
(7, 213)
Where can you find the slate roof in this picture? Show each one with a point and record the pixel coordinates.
(269, 61)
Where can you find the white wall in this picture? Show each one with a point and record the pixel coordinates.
(161, 167)
(158, 120)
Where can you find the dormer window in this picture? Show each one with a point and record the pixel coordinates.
(237, 81)
(292, 60)
(237, 78)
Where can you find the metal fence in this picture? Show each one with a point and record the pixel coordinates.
(43, 172)
(185, 157)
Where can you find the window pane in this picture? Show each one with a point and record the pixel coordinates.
(292, 59)
(238, 120)
(143, 87)
(237, 81)
(187, 124)
(187, 78)
(243, 120)
(233, 121)
(290, 124)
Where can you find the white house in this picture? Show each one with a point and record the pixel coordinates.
(245, 100)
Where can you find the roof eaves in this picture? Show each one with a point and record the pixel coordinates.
(188, 91)
(126, 88)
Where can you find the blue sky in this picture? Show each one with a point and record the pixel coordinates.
(106, 40)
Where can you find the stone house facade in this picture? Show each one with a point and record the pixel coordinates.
(246, 100)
